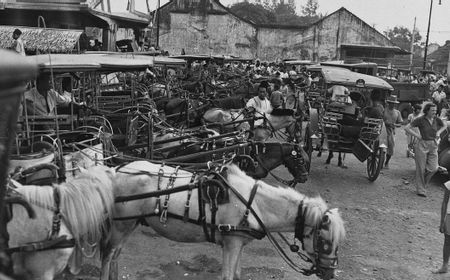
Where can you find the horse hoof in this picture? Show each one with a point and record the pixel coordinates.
(327, 162)
(339, 163)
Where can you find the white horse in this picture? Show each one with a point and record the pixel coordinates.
(230, 117)
(85, 205)
(279, 209)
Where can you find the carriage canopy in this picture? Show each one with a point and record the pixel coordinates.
(345, 77)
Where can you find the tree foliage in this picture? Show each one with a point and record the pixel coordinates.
(310, 9)
(272, 12)
(402, 36)
(253, 12)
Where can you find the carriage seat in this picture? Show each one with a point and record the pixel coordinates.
(342, 107)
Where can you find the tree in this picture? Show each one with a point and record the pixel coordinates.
(253, 12)
(402, 36)
(310, 9)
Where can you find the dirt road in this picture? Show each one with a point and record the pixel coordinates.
(391, 232)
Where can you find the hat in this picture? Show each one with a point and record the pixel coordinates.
(392, 99)
(18, 32)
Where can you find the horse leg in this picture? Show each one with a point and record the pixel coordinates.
(340, 159)
(237, 273)
(319, 147)
(231, 253)
(111, 247)
(330, 156)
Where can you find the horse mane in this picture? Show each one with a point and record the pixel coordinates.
(337, 225)
(282, 112)
(316, 207)
(86, 201)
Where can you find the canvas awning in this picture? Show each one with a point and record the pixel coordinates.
(57, 40)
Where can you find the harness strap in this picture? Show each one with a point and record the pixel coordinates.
(173, 177)
(244, 222)
(187, 205)
(56, 221)
(58, 243)
(158, 199)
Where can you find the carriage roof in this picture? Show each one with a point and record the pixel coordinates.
(345, 77)
(90, 62)
(298, 62)
(64, 62)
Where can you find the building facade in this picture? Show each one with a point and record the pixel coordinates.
(208, 27)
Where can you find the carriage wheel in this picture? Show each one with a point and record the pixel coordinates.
(375, 162)
(307, 145)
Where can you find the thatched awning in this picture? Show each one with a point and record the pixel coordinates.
(59, 40)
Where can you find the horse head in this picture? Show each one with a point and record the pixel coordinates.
(320, 230)
(296, 161)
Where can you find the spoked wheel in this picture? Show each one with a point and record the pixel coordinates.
(375, 162)
(307, 146)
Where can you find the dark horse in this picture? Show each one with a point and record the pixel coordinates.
(257, 159)
(180, 110)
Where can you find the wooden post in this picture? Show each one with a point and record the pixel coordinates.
(14, 71)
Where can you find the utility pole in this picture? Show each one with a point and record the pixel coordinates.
(428, 35)
(157, 24)
(413, 37)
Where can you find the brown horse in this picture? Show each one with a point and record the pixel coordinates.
(257, 159)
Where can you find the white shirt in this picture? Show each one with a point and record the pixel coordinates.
(261, 106)
(45, 106)
(439, 96)
(339, 93)
(19, 47)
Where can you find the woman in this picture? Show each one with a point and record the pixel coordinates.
(426, 150)
(445, 229)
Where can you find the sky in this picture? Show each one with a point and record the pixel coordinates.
(381, 14)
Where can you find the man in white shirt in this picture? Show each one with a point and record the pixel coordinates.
(260, 103)
(42, 100)
(340, 94)
(18, 45)
(439, 97)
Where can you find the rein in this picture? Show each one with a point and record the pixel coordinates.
(272, 240)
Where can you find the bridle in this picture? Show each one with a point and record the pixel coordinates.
(298, 161)
(322, 248)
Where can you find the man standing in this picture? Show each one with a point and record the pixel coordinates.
(18, 43)
(392, 118)
(426, 149)
(439, 97)
(276, 98)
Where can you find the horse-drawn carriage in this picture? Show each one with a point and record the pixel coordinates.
(349, 126)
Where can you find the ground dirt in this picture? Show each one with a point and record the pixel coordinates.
(391, 232)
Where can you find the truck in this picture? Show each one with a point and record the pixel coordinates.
(409, 94)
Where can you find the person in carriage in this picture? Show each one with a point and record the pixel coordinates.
(260, 103)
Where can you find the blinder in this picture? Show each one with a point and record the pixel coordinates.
(322, 247)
